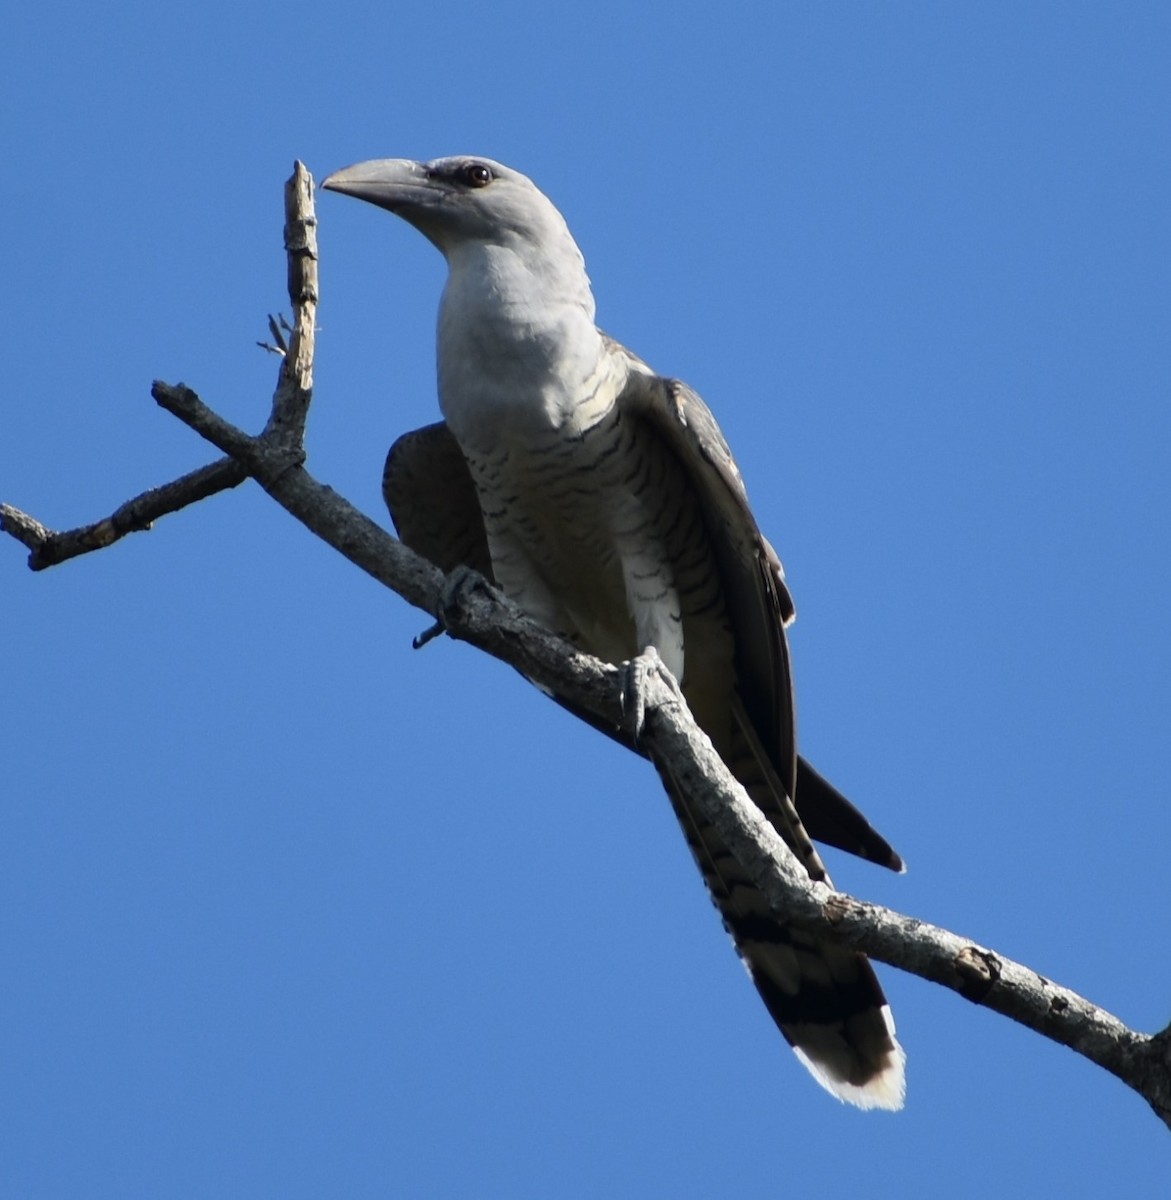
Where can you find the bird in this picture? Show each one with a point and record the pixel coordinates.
(603, 499)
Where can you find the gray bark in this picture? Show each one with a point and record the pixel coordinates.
(467, 608)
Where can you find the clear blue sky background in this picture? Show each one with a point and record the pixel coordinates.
(289, 910)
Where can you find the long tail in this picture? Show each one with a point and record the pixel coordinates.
(826, 1000)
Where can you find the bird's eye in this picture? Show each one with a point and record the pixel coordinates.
(475, 175)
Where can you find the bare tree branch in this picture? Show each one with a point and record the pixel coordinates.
(469, 609)
(48, 548)
(283, 438)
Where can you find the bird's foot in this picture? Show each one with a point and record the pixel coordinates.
(457, 585)
(635, 673)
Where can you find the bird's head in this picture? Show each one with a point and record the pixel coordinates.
(458, 201)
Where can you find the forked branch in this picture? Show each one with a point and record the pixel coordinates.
(471, 610)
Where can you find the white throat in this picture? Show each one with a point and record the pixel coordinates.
(517, 343)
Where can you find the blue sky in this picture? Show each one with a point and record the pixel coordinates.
(290, 910)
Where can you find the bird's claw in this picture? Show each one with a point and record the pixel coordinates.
(428, 635)
(635, 673)
(456, 585)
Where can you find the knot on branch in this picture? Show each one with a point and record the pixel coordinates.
(978, 972)
(838, 907)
